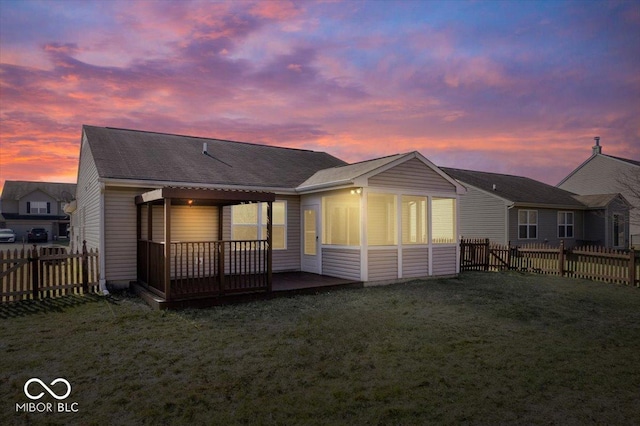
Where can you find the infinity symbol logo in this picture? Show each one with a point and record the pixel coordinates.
(47, 388)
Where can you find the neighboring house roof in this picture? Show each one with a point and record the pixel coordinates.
(33, 217)
(635, 163)
(517, 189)
(16, 190)
(148, 156)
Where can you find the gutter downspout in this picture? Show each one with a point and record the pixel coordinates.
(102, 244)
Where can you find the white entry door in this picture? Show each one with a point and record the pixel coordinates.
(311, 238)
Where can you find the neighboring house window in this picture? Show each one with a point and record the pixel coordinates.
(443, 218)
(382, 223)
(565, 224)
(341, 219)
(38, 207)
(247, 219)
(527, 224)
(414, 220)
(618, 230)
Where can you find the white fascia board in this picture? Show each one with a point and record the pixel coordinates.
(130, 183)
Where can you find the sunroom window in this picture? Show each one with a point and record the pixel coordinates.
(382, 221)
(414, 220)
(443, 216)
(341, 219)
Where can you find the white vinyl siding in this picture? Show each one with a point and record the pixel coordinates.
(383, 264)
(444, 260)
(87, 225)
(120, 235)
(483, 216)
(342, 263)
(415, 262)
(412, 174)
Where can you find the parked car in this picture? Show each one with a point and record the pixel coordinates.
(7, 236)
(37, 234)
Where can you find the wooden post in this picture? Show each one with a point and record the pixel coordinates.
(220, 248)
(561, 258)
(486, 254)
(632, 267)
(85, 268)
(269, 245)
(167, 249)
(35, 272)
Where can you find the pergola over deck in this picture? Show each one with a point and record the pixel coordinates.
(196, 269)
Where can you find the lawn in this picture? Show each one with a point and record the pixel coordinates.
(484, 348)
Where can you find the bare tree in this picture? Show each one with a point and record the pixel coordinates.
(629, 182)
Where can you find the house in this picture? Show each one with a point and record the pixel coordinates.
(602, 174)
(517, 210)
(224, 205)
(27, 205)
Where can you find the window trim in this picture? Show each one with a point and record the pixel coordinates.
(528, 224)
(259, 225)
(567, 225)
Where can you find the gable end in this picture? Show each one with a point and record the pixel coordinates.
(413, 174)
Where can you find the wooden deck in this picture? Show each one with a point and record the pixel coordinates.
(284, 284)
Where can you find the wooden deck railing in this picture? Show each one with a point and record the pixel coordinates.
(590, 262)
(205, 268)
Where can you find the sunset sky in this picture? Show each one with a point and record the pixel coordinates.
(517, 87)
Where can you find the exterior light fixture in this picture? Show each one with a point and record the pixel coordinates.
(190, 202)
(356, 191)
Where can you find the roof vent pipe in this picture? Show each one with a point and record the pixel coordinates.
(597, 149)
(204, 148)
(494, 187)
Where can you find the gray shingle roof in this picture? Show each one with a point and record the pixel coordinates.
(596, 201)
(347, 173)
(517, 189)
(138, 155)
(16, 189)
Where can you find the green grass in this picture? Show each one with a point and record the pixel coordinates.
(485, 348)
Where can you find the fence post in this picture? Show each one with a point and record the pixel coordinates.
(85, 268)
(632, 267)
(561, 258)
(35, 272)
(486, 254)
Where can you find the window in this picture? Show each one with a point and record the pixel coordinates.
(565, 224)
(38, 207)
(246, 219)
(527, 224)
(341, 219)
(443, 217)
(414, 220)
(382, 223)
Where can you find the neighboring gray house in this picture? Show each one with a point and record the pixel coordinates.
(517, 210)
(602, 174)
(383, 219)
(27, 205)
